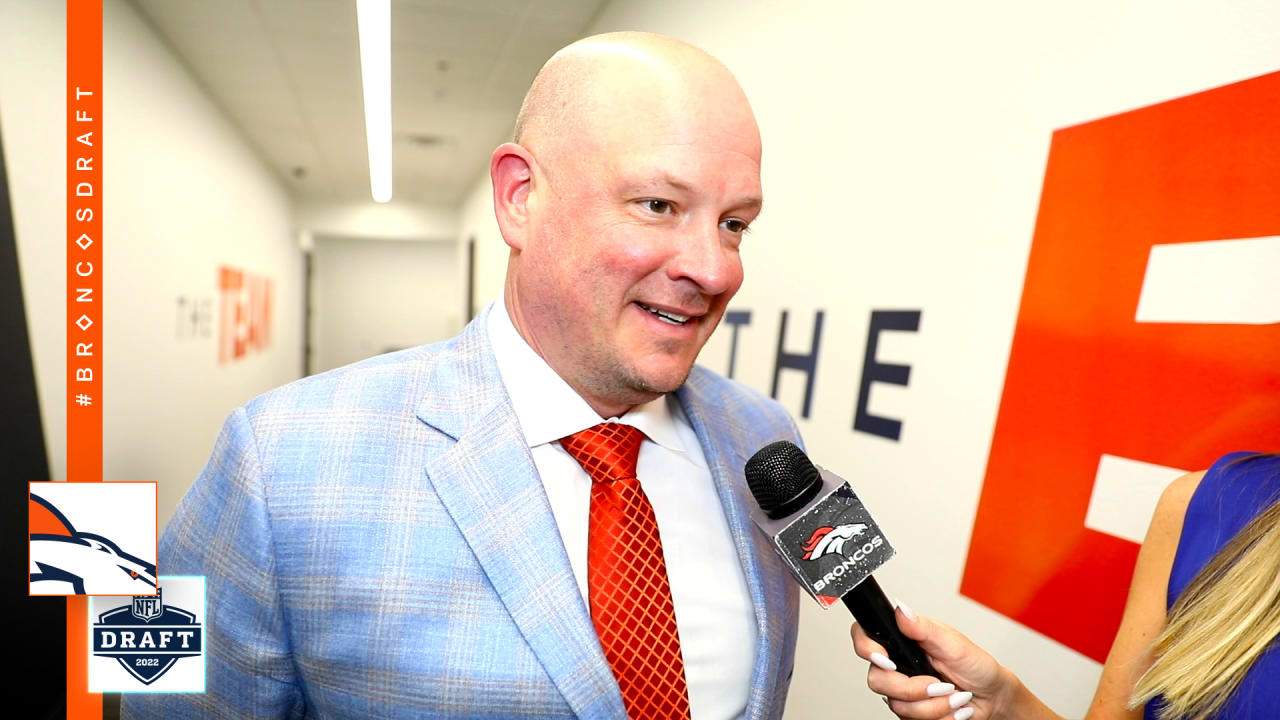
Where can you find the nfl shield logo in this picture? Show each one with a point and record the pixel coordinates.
(148, 608)
(145, 643)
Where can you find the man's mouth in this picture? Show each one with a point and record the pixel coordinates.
(665, 315)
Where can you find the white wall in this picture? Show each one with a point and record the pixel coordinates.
(476, 221)
(33, 73)
(372, 296)
(904, 150)
(184, 195)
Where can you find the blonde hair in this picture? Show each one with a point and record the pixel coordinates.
(1224, 619)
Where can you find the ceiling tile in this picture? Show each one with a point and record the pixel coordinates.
(513, 8)
(301, 53)
(450, 29)
(287, 72)
(319, 19)
(572, 14)
(170, 14)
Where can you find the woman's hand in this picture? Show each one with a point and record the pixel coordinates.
(976, 686)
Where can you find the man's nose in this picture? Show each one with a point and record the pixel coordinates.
(704, 257)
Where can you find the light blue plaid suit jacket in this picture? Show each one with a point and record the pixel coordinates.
(377, 544)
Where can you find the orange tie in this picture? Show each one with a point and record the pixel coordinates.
(627, 576)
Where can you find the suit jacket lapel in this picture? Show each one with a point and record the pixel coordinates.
(724, 443)
(486, 479)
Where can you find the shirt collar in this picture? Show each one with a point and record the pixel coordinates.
(547, 408)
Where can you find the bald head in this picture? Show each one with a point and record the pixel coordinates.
(598, 88)
(633, 178)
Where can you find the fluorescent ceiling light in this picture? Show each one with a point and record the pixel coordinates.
(373, 18)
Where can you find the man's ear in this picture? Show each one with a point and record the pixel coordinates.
(511, 170)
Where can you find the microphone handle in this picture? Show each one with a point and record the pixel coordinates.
(874, 613)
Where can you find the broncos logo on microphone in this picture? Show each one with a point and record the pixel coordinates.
(828, 540)
(63, 557)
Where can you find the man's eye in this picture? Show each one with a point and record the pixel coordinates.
(659, 207)
(735, 226)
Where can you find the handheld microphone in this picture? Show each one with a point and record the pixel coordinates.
(828, 539)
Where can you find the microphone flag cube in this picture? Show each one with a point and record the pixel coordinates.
(831, 544)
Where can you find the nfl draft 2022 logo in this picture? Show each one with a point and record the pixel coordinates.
(149, 643)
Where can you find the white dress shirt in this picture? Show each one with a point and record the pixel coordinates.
(714, 615)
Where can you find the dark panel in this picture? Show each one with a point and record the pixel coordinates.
(37, 628)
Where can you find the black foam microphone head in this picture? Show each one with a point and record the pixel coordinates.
(782, 478)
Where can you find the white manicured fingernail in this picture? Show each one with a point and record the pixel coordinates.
(939, 689)
(960, 698)
(907, 611)
(883, 662)
(963, 713)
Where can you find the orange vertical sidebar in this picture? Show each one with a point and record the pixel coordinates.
(84, 304)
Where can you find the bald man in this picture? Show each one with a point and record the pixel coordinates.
(544, 516)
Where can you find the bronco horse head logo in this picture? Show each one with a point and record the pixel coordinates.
(829, 540)
(63, 558)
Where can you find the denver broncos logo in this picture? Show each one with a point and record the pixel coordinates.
(829, 540)
(63, 557)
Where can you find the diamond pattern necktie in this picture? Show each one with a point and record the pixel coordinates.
(627, 576)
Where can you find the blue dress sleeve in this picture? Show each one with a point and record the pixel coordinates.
(1234, 490)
